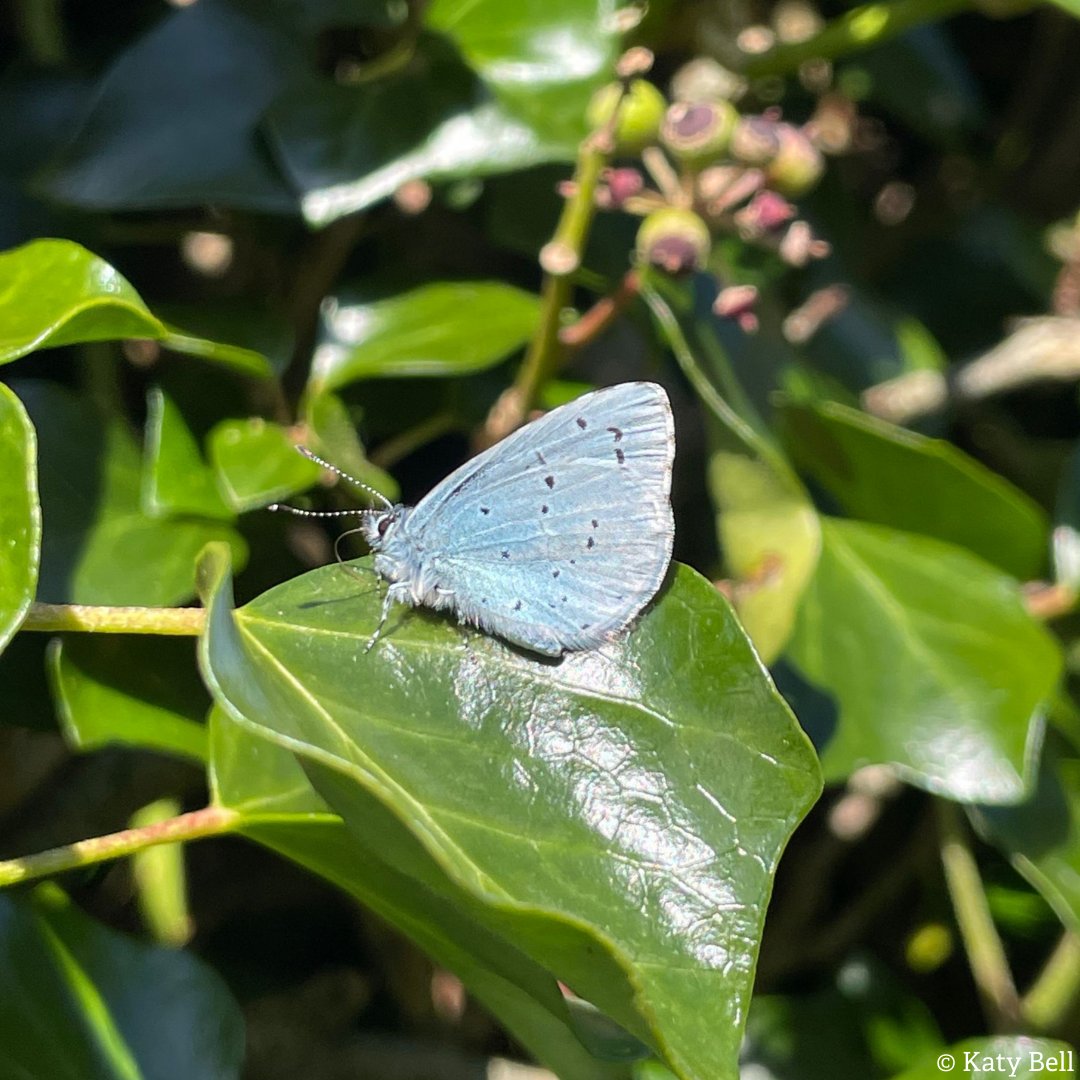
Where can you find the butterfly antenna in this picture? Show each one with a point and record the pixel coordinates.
(345, 476)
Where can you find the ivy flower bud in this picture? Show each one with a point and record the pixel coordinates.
(697, 134)
(754, 140)
(640, 113)
(676, 241)
(797, 164)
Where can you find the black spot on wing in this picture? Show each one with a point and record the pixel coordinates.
(550, 481)
(506, 554)
(591, 543)
(485, 509)
(544, 509)
(540, 457)
(555, 573)
(517, 606)
(581, 423)
(595, 523)
(620, 456)
(617, 432)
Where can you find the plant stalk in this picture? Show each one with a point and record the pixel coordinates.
(54, 618)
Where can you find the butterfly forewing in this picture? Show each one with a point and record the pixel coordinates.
(558, 536)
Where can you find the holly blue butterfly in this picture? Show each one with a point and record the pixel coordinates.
(553, 539)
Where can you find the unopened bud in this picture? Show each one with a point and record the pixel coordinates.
(640, 113)
(676, 241)
(620, 185)
(797, 165)
(698, 133)
(755, 140)
(737, 302)
(765, 213)
(799, 245)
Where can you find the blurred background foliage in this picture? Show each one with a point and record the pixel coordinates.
(324, 221)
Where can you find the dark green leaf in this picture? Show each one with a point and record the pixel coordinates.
(266, 784)
(142, 691)
(20, 514)
(1041, 837)
(1034, 1059)
(619, 826)
(79, 1001)
(98, 545)
(257, 463)
(176, 480)
(891, 476)
(933, 662)
(449, 328)
(56, 292)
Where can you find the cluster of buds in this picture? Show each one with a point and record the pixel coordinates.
(707, 170)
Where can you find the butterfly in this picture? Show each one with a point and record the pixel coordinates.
(553, 539)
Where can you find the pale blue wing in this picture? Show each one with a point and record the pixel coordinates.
(558, 536)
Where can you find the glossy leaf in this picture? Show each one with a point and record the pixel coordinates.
(496, 87)
(885, 474)
(20, 514)
(55, 292)
(265, 783)
(98, 545)
(449, 328)
(932, 660)
(1041, 836)
(618, 826)
(257, 463)
(139, 691)
(1034, 1059)
(175, 478)
(116, 1009)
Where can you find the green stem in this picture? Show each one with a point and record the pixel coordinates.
(985, 952)
(41, 26)
(857, 30)
(1056, 992)
(211, 821)
(52, 618)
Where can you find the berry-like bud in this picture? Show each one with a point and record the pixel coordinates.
(736, 302)
(765, 213)
(754, 140)
(620, 185)
(676, 241)
(797, 165)
(639, 115)
(697, 134)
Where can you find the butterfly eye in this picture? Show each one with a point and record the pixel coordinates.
(384, 524)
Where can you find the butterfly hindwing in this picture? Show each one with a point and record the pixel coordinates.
(559, 535)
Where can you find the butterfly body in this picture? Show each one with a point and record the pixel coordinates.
(553, 539)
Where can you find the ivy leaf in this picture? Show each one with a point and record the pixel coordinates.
(20, 514)
(617, 825)
(117, 1009)
(933, 662)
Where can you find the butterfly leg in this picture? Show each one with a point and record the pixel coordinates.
(399, 589)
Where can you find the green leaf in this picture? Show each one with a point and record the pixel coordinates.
(56, 292)
(267, 786)
(933, 662)
(137, 691)
(618, 826)
(20, 514)
(890, 476)
(1041, 836)
(449, 328)
(98, 545)
(175, 479)
(257, 463)
(995, 1056)
(79, 1001)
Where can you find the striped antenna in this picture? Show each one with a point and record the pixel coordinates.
(311, 456)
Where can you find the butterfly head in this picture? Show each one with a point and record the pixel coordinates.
(380, 528)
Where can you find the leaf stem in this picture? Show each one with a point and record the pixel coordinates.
(985, 952)
(855, 31)
(210, 821)
(602, 314)
(51, 618)
(1056, 992)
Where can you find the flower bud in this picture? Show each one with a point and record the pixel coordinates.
(736, 302)
(754, 140)
(618, 186)
(676, 241)
(697, 134)
(765, 213)
(640, 113)
(797, 164)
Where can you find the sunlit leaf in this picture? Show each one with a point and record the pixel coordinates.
(20, 514)
(617, 825)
